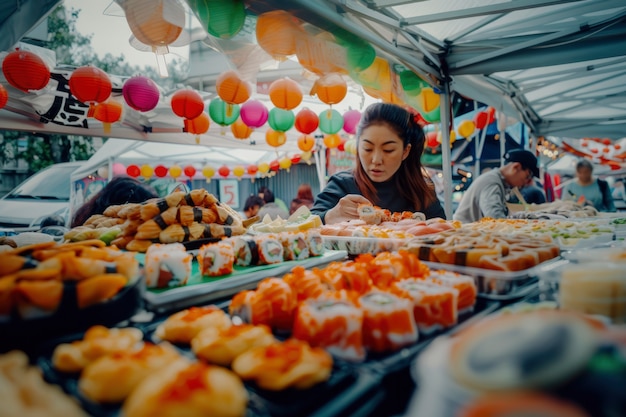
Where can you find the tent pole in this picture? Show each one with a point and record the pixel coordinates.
(502, 132)
(445, 148)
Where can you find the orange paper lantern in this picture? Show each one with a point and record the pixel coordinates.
(277, 33)
(4, 96)
(90, 85)
(107, 113)
(151, 25)
(275, 138)
(198, 125)
(187, 103)
(240, 129)
(285, 93)
(25, 71)
(231, 88)
(306, 143)
(330, 89)
(332, 141)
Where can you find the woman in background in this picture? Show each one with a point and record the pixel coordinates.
(586, 189)
(389, 171)
(304, 197)
(120, 190)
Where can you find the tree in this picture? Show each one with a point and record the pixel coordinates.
(73, 48)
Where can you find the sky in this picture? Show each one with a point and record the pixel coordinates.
(110, 34)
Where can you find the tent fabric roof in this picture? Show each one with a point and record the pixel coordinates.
(557, 65)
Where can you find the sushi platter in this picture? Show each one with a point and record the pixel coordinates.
(201, 289)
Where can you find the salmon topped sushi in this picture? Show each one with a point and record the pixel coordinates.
(463, 283)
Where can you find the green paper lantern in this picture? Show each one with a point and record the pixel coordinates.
(433, 116)
(331, 121)
(223, 113)
(359, 54)
(220, 18)
(280, 119)
(411, 83)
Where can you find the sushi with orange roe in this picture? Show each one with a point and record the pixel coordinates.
(463, 283)
(305, 283)
(331, 323)
(273, 304)
(387, 267)
(216, 259)
(434, 305)
(184, 325)
(350, 276)
(388, 322)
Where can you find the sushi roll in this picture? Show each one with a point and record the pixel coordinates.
(333, 324)
(216, 259)
(272, 304)
(463, 283)
(305, 283)
(370, 214)
(388, 322)
(295, 247)
(246, 251)
(167, 265)
(270, 249)
(434, 305)
(315, 243)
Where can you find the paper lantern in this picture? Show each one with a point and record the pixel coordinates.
(275, 138)
(240, 129)
(103, 171)
(175, 171)
(296, 158)
(90, 85)
(264, 168)
(330, 89)
(133, 171)
(359, 54)
(189, 171)
(428, 100)
(281, 120)
(331, 121)
(350, 146)
(332, 141)
(351, 120)
(141, 93)
(285, 93)
(411, 83)
(25, 71)
(306, 157)
(466, 128)
(480, 119)
(208, 172)
(491, 113)
(341, 145)
(187, 103)
(118, 169)
(155, 23)
(224, 171)
(199, 125)
(4, 96)
(231, 88)
(108, 112)
(306, 143)
(239, 171)
(146, 171)
(220, 18)
(223, 113)
(431, 139)
(376, 76)
(274, 166)
(254, 113)
(252, 169)
(306, 121)
(160, 171)
(277, 32)
(285, 163)
(433, 116)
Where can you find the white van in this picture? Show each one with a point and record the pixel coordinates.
(41, 195)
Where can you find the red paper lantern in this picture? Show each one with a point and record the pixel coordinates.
(90, 85)
(141, 93)
(189, 171)
(296, 158)
(275, 165)
(252, 169)
(160, 171)
(187, 103)
(224, 171)
(4, 96)
(480, 119)
(431, 139)
(306, 121)
(25, 71)
(491, 113)
(107, 113)
(341, 146)
(133, 171)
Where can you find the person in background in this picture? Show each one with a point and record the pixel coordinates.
(487, 195)
(252, 206)
(120, 190)
(304, 197)
(586, 189)
(271, 208)
(388, 173)
(533, 194)
(280, 203)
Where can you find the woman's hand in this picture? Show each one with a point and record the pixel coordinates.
(346, 209)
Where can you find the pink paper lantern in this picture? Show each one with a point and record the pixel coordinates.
(253, 113)
(141, 93)
(119, 169)
(350, 121)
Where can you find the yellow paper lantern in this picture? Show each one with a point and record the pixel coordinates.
(306, 157)
(285, 163)
(208, 171)
(466, 128)
(175, 171)
(428, 100)
(238, 171)
(264, 168)
(350, 146)
(146, 171)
